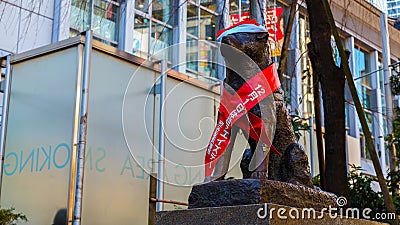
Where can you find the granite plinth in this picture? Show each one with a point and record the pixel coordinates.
(252, 214)
(254, 191)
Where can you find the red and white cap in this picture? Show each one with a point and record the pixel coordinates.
(247, 26)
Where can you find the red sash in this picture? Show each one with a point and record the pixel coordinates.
(233, 107)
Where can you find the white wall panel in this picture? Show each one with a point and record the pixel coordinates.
(39, 136)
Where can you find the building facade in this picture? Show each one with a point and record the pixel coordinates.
(187, 30)
(393, 7)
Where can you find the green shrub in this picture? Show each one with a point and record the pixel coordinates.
(9, 217)
(363, 196)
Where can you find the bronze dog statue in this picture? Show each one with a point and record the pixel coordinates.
(246, 54)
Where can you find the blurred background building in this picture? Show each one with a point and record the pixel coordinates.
(393, 7)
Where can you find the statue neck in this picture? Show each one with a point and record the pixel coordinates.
(248, 69)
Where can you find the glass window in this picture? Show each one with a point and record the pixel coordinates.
(239, 10)
(156, 41)
(162, 11)
(384, 127)
(245, 6)
(105, 19)
(201, 27)
(395, 68)
(370, 121)
(234, 7)
(192, 54)
(362, 65)
(79, 17)
(192, 19)
(209, 4)
(207, 26)
(347, 114)
(142, 5)
(206, 59)
(335, 52)
(141, 36)
(364, 151)
(366, 97)
(362, 68)
(161, 38)
(370, 118)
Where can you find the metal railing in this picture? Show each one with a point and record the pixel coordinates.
(153, 199)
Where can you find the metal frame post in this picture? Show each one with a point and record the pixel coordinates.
(81, 151)
(161, 136)
(82, 130)
(4, 117)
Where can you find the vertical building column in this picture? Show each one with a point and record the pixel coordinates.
(377, 110)
(179, 36)
(221, 23)
(258, 11)
(387, 75)
(294, 66)
(353, 117)
(126, 25)
(223, 15)
(61, 24)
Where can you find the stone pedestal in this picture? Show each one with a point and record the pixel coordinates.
(252, 191)
(252, 214)
(250, 201)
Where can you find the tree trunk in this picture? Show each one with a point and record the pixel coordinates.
(370, 143)
(332, 81)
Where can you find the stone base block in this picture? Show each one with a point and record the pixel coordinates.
(253, 214)
(253, 191)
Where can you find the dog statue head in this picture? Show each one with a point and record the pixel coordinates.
(242, 51)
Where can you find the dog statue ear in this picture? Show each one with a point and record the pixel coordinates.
(228, 46)
(225, 47)
(262, 36)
